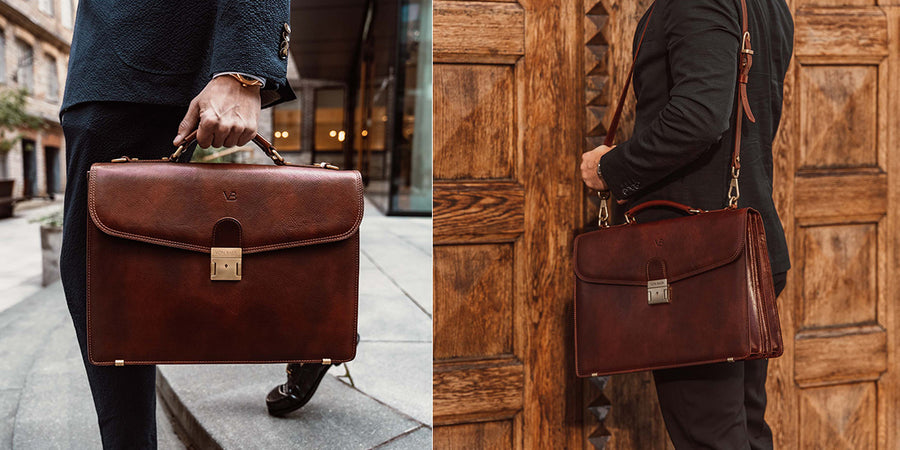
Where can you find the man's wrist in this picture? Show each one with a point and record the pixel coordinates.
(245, 79)
(600, 174)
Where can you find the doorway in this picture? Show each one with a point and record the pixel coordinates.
(51, 170)
(29, 168)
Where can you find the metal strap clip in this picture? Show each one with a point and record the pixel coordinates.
(604, 208)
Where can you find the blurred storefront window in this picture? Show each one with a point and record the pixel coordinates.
(286, 121)
(392, 117)
(329, 129)
(364, 98)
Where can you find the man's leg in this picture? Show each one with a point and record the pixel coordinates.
(124, 397)
(703, 406)
(755, 390)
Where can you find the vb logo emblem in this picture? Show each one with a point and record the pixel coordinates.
(232, 197)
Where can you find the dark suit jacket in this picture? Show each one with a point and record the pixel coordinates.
(685, 84)
(164, 52)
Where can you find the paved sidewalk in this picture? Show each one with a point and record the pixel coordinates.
(20, 251)
(45, 401)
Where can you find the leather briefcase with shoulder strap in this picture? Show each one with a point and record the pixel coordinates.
(222, 263)
(677, 292)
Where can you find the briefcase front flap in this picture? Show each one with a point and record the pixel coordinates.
(674, 249)
(178, 205)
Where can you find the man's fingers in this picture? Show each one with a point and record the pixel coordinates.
(188, 123)
(223, 129)
(207, 130)
(248, 134)
(234, 135)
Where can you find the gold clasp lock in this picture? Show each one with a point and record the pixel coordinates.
(657, 291)
(225, 264)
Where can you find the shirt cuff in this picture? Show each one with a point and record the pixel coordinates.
(261, 80)
(617, 175)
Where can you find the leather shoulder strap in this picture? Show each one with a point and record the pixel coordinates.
(614, 123)
(743, 105)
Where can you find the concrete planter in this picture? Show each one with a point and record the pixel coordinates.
(51, 243)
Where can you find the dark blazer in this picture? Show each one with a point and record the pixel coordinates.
(165, 52)
(685, 81)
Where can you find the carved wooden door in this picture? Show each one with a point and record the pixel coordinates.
(836, 187)
(506, 146)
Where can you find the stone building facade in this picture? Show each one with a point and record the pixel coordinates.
(35, 37)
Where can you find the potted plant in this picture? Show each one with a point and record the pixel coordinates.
(51, 244)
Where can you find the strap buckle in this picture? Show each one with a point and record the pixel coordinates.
(745, 44)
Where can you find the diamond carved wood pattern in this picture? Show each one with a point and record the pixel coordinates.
(839, 274)
(477, 285)
(470, 97)
(840, 128)
(596, 69)
(596, 100)
(839, 417)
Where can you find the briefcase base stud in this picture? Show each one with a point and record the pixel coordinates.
(326, 361)
(730, 359)
(225, 264)
(120, 362)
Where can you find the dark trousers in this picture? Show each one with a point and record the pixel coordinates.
(124, 397)
(717, 406)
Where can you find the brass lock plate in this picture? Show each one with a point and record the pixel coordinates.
(657, 291)
(225, 264)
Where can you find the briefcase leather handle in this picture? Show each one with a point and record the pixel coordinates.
(265, 145)
(260, 141)
(629, 215)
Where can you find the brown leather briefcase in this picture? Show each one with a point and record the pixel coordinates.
(674, 292)
(222, 263)
(678, 292)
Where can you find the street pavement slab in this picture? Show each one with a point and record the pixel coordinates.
(20, 251)
(227, 405)
(45, 400)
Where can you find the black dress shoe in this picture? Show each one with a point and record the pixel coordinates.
(302, 382)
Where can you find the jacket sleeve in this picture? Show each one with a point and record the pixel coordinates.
(247, 39)
(702, 40)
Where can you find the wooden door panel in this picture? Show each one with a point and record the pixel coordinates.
(479, 222)
(476, 312)
(839, 285)
(842, 99)
(505, 193)
(478, 212)
(484, 435)
(478, 32)
(860, 193)
(835, 180)
(839, 34)
(474, 136)
(841, 354)
(841, 417)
